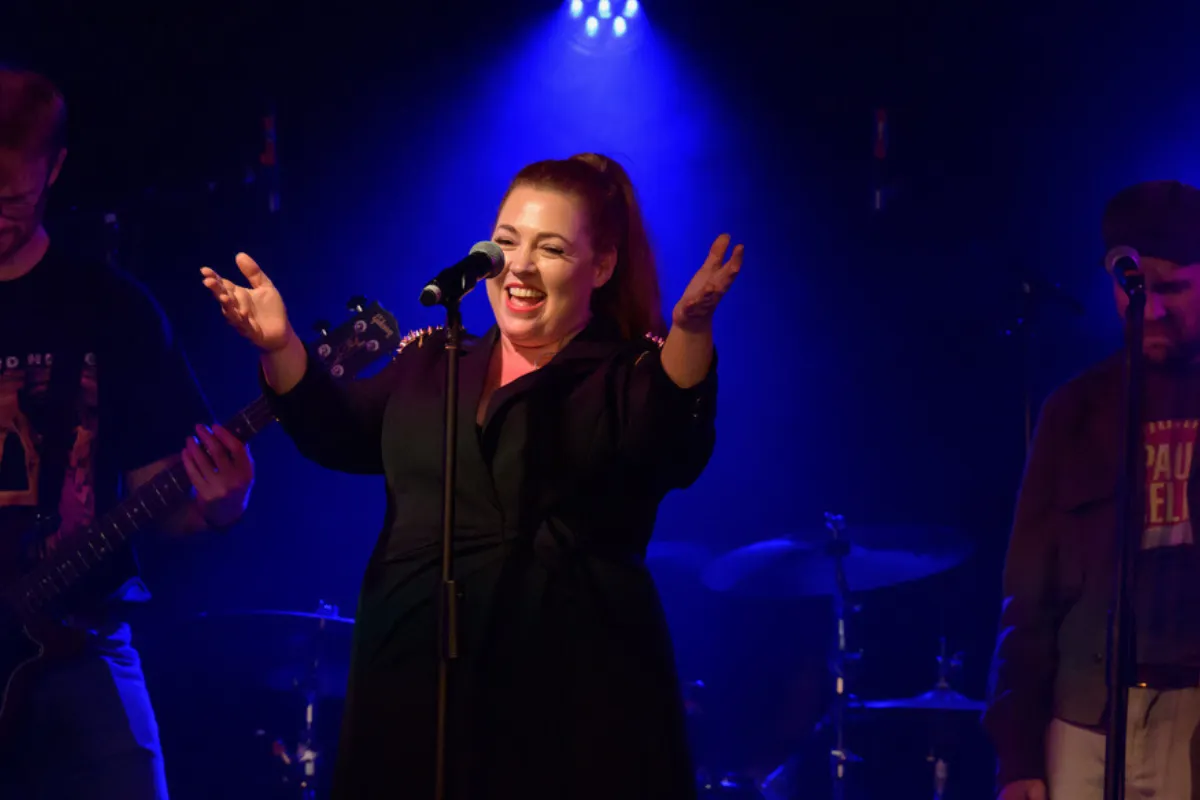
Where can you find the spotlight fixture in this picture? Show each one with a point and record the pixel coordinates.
(597, 24)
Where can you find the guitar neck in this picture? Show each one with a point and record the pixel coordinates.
(78, 556)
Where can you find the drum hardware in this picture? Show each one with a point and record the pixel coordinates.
(306, 751)
(799, 566)
(941, 698)
(941, 701)
(837, 549)
(303, 661)
(304, 757)
(780, 783)
(730, 785)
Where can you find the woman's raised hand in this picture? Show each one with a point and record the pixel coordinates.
(257, 312)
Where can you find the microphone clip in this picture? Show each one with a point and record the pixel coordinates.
(1125, 265)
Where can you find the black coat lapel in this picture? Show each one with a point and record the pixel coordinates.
(597, 342)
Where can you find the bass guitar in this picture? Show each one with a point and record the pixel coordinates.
(34, 602)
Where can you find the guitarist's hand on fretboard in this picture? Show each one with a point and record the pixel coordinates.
(222, 471)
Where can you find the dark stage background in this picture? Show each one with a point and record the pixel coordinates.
(866, 368)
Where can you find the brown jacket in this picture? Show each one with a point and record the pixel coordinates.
(1050, 655)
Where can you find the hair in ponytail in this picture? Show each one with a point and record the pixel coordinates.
(631, 298)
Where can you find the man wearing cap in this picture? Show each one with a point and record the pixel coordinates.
(1047, 705)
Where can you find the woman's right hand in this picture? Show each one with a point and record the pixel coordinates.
(258, 312)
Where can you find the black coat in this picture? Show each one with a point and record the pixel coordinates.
(565, 686)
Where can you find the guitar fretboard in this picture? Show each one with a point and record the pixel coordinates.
(79, 555)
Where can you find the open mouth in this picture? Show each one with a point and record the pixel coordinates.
(522, 298)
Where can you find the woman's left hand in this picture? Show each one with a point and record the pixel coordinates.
(695, 309)
(222, 471)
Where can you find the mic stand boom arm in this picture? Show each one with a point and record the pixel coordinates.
(1130, 524)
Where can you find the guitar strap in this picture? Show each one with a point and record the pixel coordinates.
(63, 395)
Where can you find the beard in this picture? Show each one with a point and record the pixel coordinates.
(1171, 352)
(16, 235)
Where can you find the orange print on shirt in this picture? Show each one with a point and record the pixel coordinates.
(1170, 446)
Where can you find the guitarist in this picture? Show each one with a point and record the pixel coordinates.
(95, 399)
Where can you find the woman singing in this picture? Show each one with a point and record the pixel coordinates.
(565, 685)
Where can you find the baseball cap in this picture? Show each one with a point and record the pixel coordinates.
(1160, 219)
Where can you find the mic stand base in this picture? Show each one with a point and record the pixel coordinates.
(447, 599)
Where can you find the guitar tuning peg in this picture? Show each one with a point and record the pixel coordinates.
(321, 326)
(357, 303)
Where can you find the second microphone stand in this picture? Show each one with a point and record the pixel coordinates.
(1130, 523)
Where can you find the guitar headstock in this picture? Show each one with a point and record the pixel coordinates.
(370, 333)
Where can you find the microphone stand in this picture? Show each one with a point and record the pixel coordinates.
(1025, 323)
(1121, 656)
(1035, 294)
(447, 591)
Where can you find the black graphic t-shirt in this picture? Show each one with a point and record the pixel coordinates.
(135, 404)
(1167, 593)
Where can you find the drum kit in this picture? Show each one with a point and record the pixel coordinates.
(834, 564)
(306, 653)
(303, 654)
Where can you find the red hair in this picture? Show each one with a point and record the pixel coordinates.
(631, 298)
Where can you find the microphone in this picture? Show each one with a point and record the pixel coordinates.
(485, 260)
(1126, 266)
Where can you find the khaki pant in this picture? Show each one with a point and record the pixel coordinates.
(1160, 751)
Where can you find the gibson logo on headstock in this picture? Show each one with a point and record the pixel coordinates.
(380, 321)
(370, 329)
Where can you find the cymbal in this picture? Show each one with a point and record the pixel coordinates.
(264, 612)
(278, 649)
(907, 538)
(802, 565)
(938, 699)
(688, 556)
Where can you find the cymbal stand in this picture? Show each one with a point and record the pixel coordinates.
(306, 754)
(937, 755)
(306, 751)
(837, 548)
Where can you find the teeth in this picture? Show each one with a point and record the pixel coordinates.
(529, 294)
